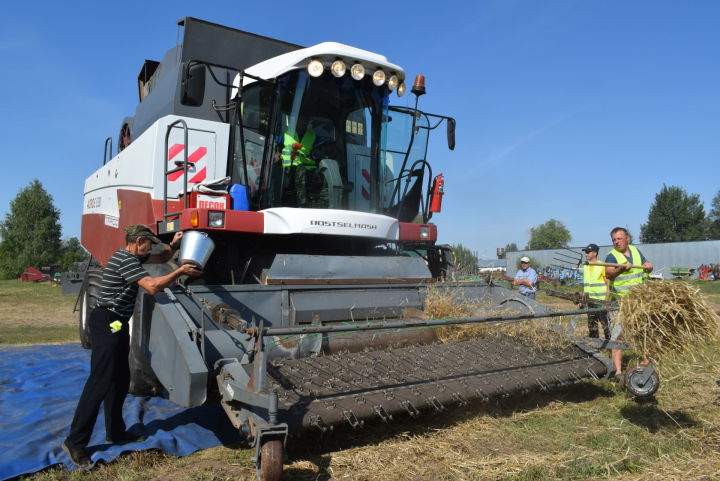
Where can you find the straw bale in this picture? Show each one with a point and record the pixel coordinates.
(666, 316)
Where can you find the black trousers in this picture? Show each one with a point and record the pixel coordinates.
(108, 382)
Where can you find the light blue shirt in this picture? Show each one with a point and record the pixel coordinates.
(530, 275)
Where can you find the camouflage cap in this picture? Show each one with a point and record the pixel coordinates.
(142, 231)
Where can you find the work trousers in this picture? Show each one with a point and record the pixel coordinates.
(596, 319)
(109, 379)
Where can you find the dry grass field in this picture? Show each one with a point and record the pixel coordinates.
(592, 430)
(36, 313)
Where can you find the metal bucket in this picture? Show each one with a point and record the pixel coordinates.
(196, 248)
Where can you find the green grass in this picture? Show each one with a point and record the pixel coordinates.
(34, 294)
(36, 313)
(38, 335)
(711, 289)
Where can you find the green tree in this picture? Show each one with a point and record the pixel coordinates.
(71, 251)
(675, 216)
(465, 261)
(511, 247)
(714, 217)
(30, 233)
(551, 235)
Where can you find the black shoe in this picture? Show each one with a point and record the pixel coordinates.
(125, 438)
(78, 456)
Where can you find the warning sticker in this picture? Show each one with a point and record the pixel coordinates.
(112, 221)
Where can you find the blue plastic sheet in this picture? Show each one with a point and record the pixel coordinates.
(39, 389)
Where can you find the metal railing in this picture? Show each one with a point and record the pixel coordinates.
(179, 166)
(107, 155)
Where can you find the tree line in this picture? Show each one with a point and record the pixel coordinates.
(30, 234)
(675, 216)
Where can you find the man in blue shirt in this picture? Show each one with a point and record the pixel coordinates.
(526, 278)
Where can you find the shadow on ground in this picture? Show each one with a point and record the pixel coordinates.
(317, 448)
(647, 415)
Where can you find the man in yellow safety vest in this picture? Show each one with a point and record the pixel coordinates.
(624, 278)
(597, 288)
(305, 186)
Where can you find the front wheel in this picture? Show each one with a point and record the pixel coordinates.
(271, 460)
(90, 296)
(634, 384)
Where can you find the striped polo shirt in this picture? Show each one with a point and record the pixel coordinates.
(119, 288)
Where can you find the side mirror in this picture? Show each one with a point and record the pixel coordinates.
(451, 133)
(193, 86)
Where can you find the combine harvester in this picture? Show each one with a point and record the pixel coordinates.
(317, 248)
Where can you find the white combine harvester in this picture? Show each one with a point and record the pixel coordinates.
(313, 194)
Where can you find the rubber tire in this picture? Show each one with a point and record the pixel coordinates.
(648, 390)
(143, 381)
(271, 460)
(90, 295)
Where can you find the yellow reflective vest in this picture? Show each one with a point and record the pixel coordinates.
(622, 284)
(302, 155)
(594, 282)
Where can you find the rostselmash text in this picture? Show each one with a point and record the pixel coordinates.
(344, 225)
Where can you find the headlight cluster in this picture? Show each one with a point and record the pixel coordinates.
(357, 71)
(216, 218)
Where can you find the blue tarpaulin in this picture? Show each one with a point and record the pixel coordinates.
(39, 389)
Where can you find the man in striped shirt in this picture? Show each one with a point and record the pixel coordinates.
(109, 378)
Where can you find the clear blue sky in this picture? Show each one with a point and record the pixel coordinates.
(578, 110)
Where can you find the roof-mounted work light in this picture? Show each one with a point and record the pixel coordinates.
(338, 68)
(401, 89)
(378, 78)
(392, 82)
(357, 71)
(315, 68)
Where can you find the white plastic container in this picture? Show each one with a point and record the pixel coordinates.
(196, 248)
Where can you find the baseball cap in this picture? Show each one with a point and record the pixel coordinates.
(591, 248)
(142, 231)
(524, 259)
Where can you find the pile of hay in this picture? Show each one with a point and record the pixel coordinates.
(666, 317)
(448, 303)
(445, 304)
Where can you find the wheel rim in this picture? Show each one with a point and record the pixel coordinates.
(271, 460)
(650, 387)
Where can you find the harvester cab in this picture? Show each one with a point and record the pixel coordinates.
(312, 195)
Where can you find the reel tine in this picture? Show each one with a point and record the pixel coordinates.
(575, 259)
(566, 263)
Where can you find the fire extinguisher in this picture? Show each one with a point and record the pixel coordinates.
(437, 191)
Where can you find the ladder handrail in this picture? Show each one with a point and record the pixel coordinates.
(184, 168)
(105, 151)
